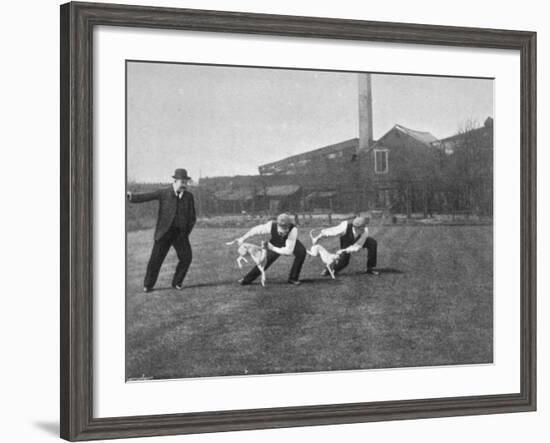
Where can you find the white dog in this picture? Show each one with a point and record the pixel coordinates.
(328, 258)
(257, 253)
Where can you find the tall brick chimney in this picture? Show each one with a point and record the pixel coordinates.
(365, 111)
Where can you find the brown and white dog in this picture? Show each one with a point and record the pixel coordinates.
(328, 258)
(258, 254)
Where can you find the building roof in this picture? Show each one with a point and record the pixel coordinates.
(280, 191)
(325, 150)
(487, 127)
(449, 144)
(422, 136)
(321, 194)
(283, 165)
(237, 194)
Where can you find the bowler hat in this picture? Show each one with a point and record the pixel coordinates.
(181, 174)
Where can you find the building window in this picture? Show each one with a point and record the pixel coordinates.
(381, 161)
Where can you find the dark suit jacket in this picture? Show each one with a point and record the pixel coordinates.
(167, 209)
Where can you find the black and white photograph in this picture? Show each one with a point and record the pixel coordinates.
(312, 221)
(286, 220)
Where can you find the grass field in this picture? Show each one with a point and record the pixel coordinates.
(431, 305)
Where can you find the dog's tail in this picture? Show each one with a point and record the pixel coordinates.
(229, 243)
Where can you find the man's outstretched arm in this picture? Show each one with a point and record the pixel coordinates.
(141, 197)
(334, 231)
(288, 249)
(359, 243)
(264, 229)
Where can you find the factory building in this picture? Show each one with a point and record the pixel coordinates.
(405, 171)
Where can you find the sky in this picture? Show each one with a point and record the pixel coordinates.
(220, 120)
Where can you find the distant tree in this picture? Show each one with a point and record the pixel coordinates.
(468, 170)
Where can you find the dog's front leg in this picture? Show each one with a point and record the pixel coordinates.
(331, 271)
(261, 268)
(239, 261)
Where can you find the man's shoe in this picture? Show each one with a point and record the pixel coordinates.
(372, 272)
(146, 289)
(294, 282)
(177, 287)
(242, 282)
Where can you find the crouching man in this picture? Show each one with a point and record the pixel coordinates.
(354, 236)
(284, 241)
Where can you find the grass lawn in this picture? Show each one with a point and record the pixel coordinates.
(431, 305)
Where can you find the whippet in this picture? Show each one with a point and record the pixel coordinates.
(328, 258)
(257, 253)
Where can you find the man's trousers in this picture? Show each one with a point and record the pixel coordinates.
(299, 257)
(371, 246)
(180, 241)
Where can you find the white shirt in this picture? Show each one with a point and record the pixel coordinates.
(179, 194)
(265, 229)
(339, 230)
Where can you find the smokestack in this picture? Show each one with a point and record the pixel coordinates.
(365, 111)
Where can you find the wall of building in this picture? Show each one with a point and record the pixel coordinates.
(421, 178)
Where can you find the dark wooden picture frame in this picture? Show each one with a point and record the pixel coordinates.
(77, 23)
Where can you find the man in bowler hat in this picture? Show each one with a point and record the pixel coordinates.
(175, 221)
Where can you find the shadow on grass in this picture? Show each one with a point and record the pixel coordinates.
(211, 284)
(322, 280)
(307, 281)
(380, 270)
(389, 271)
